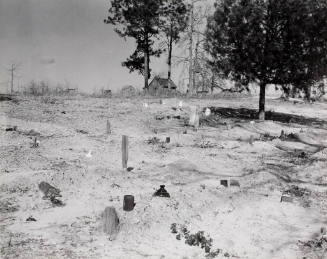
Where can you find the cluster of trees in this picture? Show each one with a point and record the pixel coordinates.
(146, 21)
(281, 42)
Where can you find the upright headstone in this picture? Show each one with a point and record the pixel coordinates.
(129, 203)
(108, 127)
(110, 221)
(224, 183)
(124, 148)
(193, 116)
(251, 140)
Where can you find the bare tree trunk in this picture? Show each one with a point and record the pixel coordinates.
(212, 83)
(170, 50)
(307, 91)
(262, 101)
(146, 70)
(196, 63)
(190, 69)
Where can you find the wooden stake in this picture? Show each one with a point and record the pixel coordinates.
(124, 149)
(108, 127)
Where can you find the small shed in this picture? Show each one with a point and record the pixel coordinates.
(162, 86)
(128, 91)
(107, 93)
(71, 90)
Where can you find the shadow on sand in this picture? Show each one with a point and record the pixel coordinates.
(252, 114)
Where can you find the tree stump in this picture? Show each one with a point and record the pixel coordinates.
(110, 221)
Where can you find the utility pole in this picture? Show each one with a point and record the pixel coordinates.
(12, 78)
(12, 70)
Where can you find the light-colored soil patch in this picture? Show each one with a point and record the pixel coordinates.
(77, 156)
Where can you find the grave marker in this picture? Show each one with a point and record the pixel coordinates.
(108, 127)
(124, 148)
(129, 203)
(110, 221)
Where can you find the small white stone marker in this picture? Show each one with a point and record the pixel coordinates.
(252, 122)
(207, 112)
(145, 105)
(180, 105)
(89, 155)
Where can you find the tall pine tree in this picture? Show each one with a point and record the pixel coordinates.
(140, 20)
(175, 15)
(269, 42)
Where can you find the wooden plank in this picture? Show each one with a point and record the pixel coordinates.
(124, 148)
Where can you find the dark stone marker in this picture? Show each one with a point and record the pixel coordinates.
(30, 219)
(11, 128)
(162, 192)
(167, 139)
(224, 182)
(286, 199)
(234, 183)
(129, 203)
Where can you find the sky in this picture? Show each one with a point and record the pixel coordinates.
(66, 42)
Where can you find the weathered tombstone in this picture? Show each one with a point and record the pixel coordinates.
(167, 139)
(285, 198)
(251, 140)
(233, 182)
(108, 127)
(124, 148)
(110, 221)
(194, 117)
(130, 168)
(129, 203)
(36, 143)
(224, 183)
(282, 135)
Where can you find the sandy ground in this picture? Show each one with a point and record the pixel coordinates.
(244, 222)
